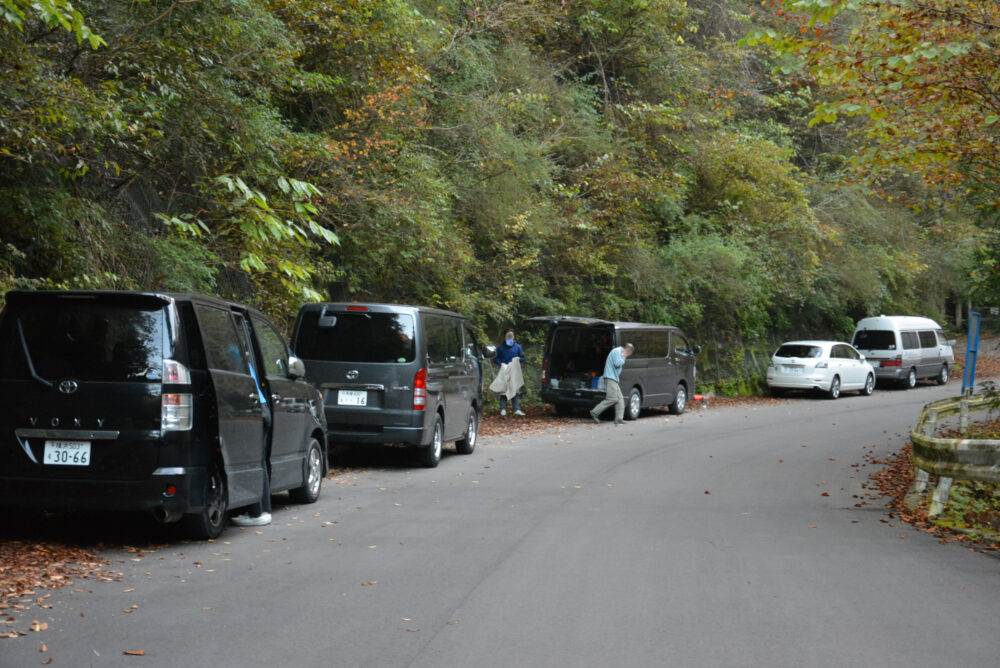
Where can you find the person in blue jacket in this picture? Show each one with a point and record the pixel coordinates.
(507, 351)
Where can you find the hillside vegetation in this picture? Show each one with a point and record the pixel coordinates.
(628, 159)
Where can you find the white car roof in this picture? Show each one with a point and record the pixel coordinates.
(897, 322)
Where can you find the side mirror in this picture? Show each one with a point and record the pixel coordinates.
(862, 357)
(489, 352)
(296, 367)
(696, 350)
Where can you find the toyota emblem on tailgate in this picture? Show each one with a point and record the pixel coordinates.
(352, 374)
(68, 386)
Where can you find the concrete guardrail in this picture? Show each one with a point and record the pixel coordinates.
(952, 458)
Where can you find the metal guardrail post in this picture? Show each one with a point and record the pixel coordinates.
(971, 355)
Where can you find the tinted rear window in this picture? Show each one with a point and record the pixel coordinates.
(875, 339)
(83, 340)
(341, 336)
(798, 350)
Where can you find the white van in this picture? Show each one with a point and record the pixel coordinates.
(904, 348)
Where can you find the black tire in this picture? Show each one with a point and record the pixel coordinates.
(312, 482)
(680, 401)
(869, 386)
(210, 521)
(942, 376)
(430, 455)
(564, 410)
(633, 405)
(834, 390)
(466, 444)
(911, 379)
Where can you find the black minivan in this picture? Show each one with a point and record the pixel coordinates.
(391, 373)
(147, 401)
(661, 371)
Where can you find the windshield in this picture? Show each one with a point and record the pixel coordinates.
(342, 336)
(875, 339)
(799, 350)
(82, 340)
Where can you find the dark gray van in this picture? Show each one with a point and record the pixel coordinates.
(661, 371)
(391, 373)
(148, 401)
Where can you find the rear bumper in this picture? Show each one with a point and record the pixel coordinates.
(583, 397)
(891, 372)
(132, 495)
(803, 382)
(376, 435)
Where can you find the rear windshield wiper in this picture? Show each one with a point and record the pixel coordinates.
(27, 357)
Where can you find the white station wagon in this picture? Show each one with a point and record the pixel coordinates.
(825, 366)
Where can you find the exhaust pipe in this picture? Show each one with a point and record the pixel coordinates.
(164, 516)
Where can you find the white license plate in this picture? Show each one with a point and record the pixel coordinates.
(352, 398)
(793, 370)
(67, 453)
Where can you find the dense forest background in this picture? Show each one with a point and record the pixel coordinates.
(628, 159)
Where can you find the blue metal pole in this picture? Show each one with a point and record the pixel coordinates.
(971, 355)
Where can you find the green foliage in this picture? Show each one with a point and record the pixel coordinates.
(616, 158)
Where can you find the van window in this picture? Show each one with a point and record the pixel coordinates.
(682, 347)
(799, 350)
(639, 339)
(910, 340)
(659, 343)
(361, 337)
(444, 339)
(650, 343)
(271, 347)
(875, 339)
(471, 345)
(928, 339)
(942, 340)
(83, 340)
(222, 345)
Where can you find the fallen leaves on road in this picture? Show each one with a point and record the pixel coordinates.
(27, 566)
(894, 481)
(134, 652)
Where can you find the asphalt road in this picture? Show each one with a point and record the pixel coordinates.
(703, 540)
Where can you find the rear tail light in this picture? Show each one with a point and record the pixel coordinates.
(545, 371)
(176, 412)
(175, 372)
(420, 390)
(898, 361)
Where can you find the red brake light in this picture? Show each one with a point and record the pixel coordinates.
(357, 308)
(420, 390)
(898, 361)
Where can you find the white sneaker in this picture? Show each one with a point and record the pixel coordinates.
(519, 412)
(503, 412)
(247, 520)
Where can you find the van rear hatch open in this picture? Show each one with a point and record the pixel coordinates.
(81, 375)
(575, 353)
